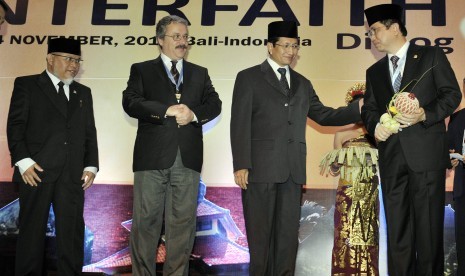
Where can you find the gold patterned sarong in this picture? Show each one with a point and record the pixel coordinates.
(355, 249)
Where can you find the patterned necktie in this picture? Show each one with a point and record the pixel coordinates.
(283, 81)
(396, 85)
(174, 71)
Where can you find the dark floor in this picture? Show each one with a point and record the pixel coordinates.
(196, 269)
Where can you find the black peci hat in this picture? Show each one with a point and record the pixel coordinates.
(64, 45)
(282, 29)
(384, 12)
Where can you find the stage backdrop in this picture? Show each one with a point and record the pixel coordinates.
(227, 36)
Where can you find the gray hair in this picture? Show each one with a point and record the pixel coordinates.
(165, 21)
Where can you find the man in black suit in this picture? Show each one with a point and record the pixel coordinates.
(412, 162)
(172, 99)
(268, 122)
(456, 137)
(53, 145)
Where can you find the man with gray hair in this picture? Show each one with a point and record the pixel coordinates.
(172, 99)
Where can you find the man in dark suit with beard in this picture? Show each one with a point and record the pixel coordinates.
(412, 162)
(53, 145)
(172, 99)
(268, 122)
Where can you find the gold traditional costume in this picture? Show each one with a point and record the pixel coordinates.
(355, 250)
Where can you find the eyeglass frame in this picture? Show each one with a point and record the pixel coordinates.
(178, 37)
(372, 31)
(70, 59)
(294, 47)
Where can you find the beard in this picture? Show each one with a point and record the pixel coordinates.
(68, 81)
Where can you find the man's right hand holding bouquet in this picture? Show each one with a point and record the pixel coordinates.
(403, 111)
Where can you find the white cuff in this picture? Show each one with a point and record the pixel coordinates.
(91, 169)
(24, 164)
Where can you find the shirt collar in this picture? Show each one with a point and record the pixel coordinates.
(402, 52)
(276, 66)
(167, 61)
(54, 79)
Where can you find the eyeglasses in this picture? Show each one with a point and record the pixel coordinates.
(68, 59)
(372, 31)
(294, 47)
(178, 37)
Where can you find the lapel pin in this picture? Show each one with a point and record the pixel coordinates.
(74, 92)
(415, 56)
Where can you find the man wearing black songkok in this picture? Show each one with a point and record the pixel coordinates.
(53, 144)
(413, 161)
(271, 103)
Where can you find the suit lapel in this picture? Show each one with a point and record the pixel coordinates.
(46, 84)
(270, 77)
(295, 82)
(74, 99)
(409, 79)
(159, 72)
(385, 75)
(187, 72)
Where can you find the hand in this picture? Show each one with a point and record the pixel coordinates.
(241, 177)
(407, 120)
(173, 110)
(30, 176)
(382, 133)
(453, 161)
(184, 116)
(335, 168)
(88, 178)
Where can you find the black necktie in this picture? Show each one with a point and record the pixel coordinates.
(61, 94)
(283, 81)
(174, 71)
(396, 85)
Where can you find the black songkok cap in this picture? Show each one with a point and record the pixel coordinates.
(384, 12)
(64, 45)
(282, 29)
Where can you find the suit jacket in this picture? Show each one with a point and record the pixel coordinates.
(455, 136)
(147, 97)
(424, 144)
(268, 128)
(39, 127)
